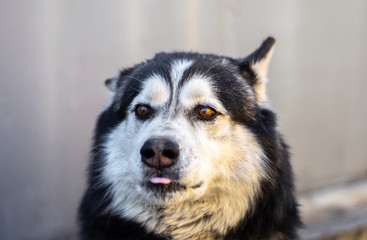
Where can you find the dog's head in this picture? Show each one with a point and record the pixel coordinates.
(176, 129)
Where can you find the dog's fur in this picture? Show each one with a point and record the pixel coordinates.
(171, 172)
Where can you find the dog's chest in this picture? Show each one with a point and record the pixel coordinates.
(209, 220)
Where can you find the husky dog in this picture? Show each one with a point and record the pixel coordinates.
(188, 149)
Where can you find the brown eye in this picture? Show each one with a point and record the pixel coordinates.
(207, 112)
(142, 110)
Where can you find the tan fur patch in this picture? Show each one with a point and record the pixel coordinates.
(261, 69)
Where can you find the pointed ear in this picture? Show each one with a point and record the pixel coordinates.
(113, 83)
(255, 68)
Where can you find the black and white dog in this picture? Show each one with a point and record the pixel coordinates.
(188, 149)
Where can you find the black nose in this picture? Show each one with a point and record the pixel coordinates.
(159, 153)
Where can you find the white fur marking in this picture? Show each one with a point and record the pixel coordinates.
(198, 90)
(178, 67)
(155, 92)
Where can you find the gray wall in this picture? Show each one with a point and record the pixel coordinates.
(55, 56)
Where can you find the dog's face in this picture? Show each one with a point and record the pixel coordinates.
(179, 132)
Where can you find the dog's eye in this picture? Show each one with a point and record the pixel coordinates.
(206, 112)
(142, 110)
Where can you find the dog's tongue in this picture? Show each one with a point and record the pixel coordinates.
(160, 180)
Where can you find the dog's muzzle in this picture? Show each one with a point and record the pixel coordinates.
(160, 154)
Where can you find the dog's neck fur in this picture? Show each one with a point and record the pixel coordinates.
(207, 218)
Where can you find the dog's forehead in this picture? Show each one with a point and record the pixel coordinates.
(178, 67)
(197, 90)
(155, 91)
(159, 88)
(193, 88)
(187, 89)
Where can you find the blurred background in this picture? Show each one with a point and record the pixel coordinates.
(55, 56)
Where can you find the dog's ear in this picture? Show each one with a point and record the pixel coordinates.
(113, 83)
(255, 67)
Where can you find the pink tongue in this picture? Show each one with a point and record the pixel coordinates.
(160, 180)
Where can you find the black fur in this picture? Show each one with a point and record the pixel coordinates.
(274, 213)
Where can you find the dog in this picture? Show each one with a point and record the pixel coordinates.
(188, 148)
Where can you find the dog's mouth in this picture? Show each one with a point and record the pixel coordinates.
(165, 182)
(160, 180)
(160, 188)
(163, 185)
